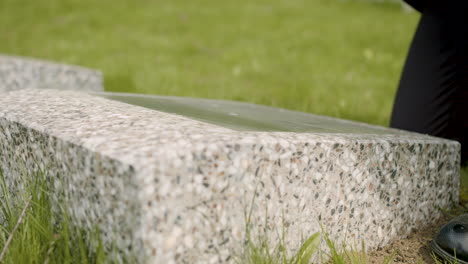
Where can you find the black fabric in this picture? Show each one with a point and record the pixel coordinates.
(432, 97)
(442, 7)
(416, 4)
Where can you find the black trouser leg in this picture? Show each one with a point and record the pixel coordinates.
(432, 97)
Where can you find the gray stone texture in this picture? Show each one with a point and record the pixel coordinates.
(170, 189)
(23, 73)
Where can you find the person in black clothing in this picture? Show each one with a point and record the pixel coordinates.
(432, 96)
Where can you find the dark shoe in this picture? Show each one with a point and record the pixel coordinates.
(451, 243)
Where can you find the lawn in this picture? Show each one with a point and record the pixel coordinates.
(331, 57)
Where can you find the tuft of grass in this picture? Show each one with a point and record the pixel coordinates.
(259, 250)
(438, 260)
(42, 237)
(351, 255)
(262, 253)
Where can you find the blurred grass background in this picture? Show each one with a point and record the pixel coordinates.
(332, 57)
(339, 58)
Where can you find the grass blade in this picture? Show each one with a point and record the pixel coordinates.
(7, 244)
(307, 249)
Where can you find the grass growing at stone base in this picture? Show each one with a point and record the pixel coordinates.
(317, 248)
(28, 219)
(259, 251)
(31, 233)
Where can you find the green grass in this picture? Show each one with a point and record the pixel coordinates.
(260, 251)
(332, 57)
(37, 239)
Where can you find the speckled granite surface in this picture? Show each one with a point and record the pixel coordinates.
(173, 190)
(22, 73)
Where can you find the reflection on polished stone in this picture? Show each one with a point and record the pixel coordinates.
(245, 116)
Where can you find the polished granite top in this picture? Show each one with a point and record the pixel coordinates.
(245, 116)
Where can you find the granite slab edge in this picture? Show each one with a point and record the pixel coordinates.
(163, 146)
(21, 73)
